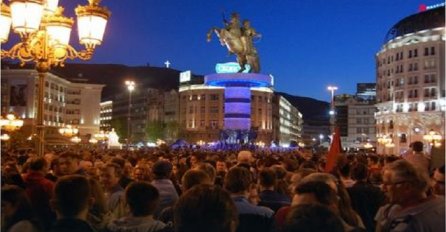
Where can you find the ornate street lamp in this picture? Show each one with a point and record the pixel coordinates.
(434, 138)
(101, 136)
(45, 34)
(75, 139)
(10, 123)
(4, 137)
(68, 131)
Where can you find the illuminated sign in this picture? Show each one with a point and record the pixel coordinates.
(230, 67)
(185, 76)
(435, 6)
(423, 7)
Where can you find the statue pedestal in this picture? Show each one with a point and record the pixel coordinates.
(238, 96)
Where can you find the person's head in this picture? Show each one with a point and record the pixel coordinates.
(267, 178)
(344, 170)
(205, 208)
(324, 177)
(195, 159)
(221, 166)
(402, 182)
(142, 198)
(15, 206)
(316, 192)
(38, 164)
(298, 176)
(68, 163)
(246, 23)
(162, 169)
(244, 157)
(237, 180)
(110, 175)
(312, 218)
(417, 146)
(359, 172)
(194, 177)
(72, 196)
(141, 173)
(438, 181)
(208, 169)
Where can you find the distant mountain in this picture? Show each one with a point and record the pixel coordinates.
(310, 108)
(114, 76)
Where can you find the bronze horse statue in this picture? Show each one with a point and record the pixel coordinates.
(238, 41)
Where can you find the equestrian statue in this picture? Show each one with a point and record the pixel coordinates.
(239, 41)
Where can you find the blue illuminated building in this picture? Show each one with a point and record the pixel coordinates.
(237, 93)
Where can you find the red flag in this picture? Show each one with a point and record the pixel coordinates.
(335, 150)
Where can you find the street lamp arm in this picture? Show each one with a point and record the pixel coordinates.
(35, 48)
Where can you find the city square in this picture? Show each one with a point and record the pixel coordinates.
(156, 112)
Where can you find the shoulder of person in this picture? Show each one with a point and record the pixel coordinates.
(23, 226)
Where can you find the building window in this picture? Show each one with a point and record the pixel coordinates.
(433, 92)
(426, 51)
(410, 54)
(426, 92)
(432, 50)
(214, 97)
(415, 53)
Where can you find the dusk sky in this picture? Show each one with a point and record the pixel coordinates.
(305, 44)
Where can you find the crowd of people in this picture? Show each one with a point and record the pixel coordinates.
(193, 189)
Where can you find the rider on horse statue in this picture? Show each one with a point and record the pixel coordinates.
(239, 41)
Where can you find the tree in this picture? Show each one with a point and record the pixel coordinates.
(171, 131)
(154, 130)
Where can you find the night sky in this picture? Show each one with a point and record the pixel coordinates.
(305, 44)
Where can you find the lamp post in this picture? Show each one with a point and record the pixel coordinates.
(332, 89)
(44, 39)
(130, 86)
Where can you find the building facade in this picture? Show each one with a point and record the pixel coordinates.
(410, 77)
(287, 121)
(65, 102)
(201, 114)
(106, 115)
(355, 117)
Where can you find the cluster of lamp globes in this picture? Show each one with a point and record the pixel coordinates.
(70, 131)
(9, 123)
(41, 24)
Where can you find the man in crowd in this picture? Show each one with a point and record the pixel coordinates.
(143, 200)
(406, 186)
(40, 190)
(72, 198)
(162, 170)
(69, 164)
(418, 158)
(109, 178)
